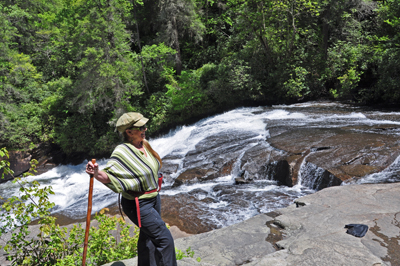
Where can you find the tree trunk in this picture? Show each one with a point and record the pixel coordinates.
(140, 49)
(178, 60)
(325, 32)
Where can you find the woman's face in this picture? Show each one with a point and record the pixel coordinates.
(137, 134)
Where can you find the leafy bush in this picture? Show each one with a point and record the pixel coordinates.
(103, 247)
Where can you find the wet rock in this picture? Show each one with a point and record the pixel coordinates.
(226, 141)
(279, 171)
(209, 200)
(342, 152)
(356, 154)
(195, 175)
(255, 159)
(198, 191)
(204, 173)
(337, 152)
(47, 155)
(222, 189)
(214, 157)
(318, 178)
(184, 212)
(169, 168)
(241, 180)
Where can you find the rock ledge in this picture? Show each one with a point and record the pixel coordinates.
(313, 230)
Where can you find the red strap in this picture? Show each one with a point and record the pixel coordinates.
(138, 211)
(151, 191)
(160, 182)
(147, 192)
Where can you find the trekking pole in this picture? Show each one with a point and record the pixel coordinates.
(89, 212)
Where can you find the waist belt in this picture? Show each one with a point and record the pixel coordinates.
(137, 194)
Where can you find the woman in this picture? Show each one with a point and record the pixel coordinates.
(133, 171)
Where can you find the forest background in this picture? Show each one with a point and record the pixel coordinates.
(70, 68)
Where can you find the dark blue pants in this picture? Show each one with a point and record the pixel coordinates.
(155, 245)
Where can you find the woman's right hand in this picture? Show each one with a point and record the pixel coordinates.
(92, 169)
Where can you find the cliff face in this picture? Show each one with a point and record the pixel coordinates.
(312, 230)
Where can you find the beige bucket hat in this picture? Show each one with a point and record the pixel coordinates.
(130, 119)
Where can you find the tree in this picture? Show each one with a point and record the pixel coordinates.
(102, 72)
(21, 85)
(178, 19)
(387, 53)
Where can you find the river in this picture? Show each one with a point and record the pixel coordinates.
(219, 201)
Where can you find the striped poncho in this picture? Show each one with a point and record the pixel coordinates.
(129, 169)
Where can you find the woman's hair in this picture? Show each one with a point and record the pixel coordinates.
(146, 144)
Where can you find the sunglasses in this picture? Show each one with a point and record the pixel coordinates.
(142, 128)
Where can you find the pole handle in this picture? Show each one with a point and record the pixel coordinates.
(93, 162)
(89, 212)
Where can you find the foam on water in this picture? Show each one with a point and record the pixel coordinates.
(283, 114)
(206, 186)
(349, 116)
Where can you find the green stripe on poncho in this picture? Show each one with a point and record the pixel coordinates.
(129, 169)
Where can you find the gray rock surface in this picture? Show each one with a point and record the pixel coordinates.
(314, 232)
(233, 245)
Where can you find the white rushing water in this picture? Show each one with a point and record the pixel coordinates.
(70, 183)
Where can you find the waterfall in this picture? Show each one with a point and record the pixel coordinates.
(226, 142)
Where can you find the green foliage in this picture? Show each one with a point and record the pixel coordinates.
(4, 163)
(185, 94)
(387, 55)
(346, 65)
(21, 86)
(18, 212)
(70, 68)
(229, 82)
(296, 86)
(177, 19)
(103, 247)
(188, 253)
(158, 61)
(55, 245)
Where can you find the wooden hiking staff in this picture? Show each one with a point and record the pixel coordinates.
(89, 212)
